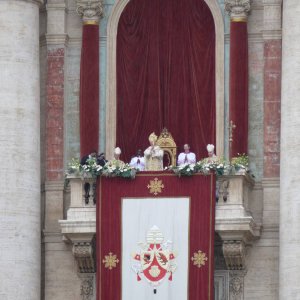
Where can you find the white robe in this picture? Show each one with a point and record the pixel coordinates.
(154, 158)
(138, 163)
(186, 158)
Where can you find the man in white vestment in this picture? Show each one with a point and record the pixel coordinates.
(186, 157)
(153, 155)
(211, 153)
(138, 161)
(116, 162)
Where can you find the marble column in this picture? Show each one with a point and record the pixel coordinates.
(91, 11)
(289, 263)
(20, 238)
(238, 82)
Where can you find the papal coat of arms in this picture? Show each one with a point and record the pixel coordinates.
(155, 260)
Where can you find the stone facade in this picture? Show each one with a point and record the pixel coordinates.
(44, 136)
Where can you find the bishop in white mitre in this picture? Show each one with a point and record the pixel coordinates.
(186, 157)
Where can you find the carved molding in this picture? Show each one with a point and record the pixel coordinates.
(87, 287)
(222, 189)
(85, 256)
(90, 10)
(236, 285)
(234, 253)
(238, 10)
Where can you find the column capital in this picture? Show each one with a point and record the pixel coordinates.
(90, 10)
(238, 10)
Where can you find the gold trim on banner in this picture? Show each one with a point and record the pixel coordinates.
(199, 259)
(155, 186)
(90, 22)
(239, 19)
(110, 261)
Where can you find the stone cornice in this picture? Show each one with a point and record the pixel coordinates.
(238, 10)
(57, 39)
(38, 2)
(56, 6)
(272, 2)
(90, 10)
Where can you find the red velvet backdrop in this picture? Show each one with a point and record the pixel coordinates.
(200, 189)
(89, 90)
(238, 111)
(166, 74)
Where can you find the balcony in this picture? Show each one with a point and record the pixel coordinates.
(235, 224)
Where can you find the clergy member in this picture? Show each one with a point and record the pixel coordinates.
(138, 161)
(211, 153)
(153, 155)
(116, 162)
(186, 157)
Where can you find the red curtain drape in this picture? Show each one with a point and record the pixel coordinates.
(238, 111)
(89, 90)
(166, 74)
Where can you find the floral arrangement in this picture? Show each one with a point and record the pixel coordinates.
(218, 166)
(91, 168)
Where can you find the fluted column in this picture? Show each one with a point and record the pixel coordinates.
(90, 11)
(289, 264)
(238, 91)
(20, 242)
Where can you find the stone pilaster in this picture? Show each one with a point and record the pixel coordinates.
(272, 86)
(289, 263)
(20, 228)
(236, 285)
(234, 253)
(87, 288)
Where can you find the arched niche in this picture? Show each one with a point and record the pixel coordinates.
(111, 91)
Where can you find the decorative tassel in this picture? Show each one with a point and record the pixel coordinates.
(138, 277)
(170, 277)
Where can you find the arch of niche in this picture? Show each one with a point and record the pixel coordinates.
(111, 92)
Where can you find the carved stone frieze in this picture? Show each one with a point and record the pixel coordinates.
(238, 9)
(90, 10)
(84, 254)
(234, 253)
(87, 287)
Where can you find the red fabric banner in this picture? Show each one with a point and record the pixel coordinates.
(89, 90)
(201, 191)
(238, 108)
(166, 74)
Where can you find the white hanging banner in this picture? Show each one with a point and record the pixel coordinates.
(155, 248)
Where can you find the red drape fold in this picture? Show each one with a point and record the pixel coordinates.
(238, 108)
(89, 90)
(166, 74)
